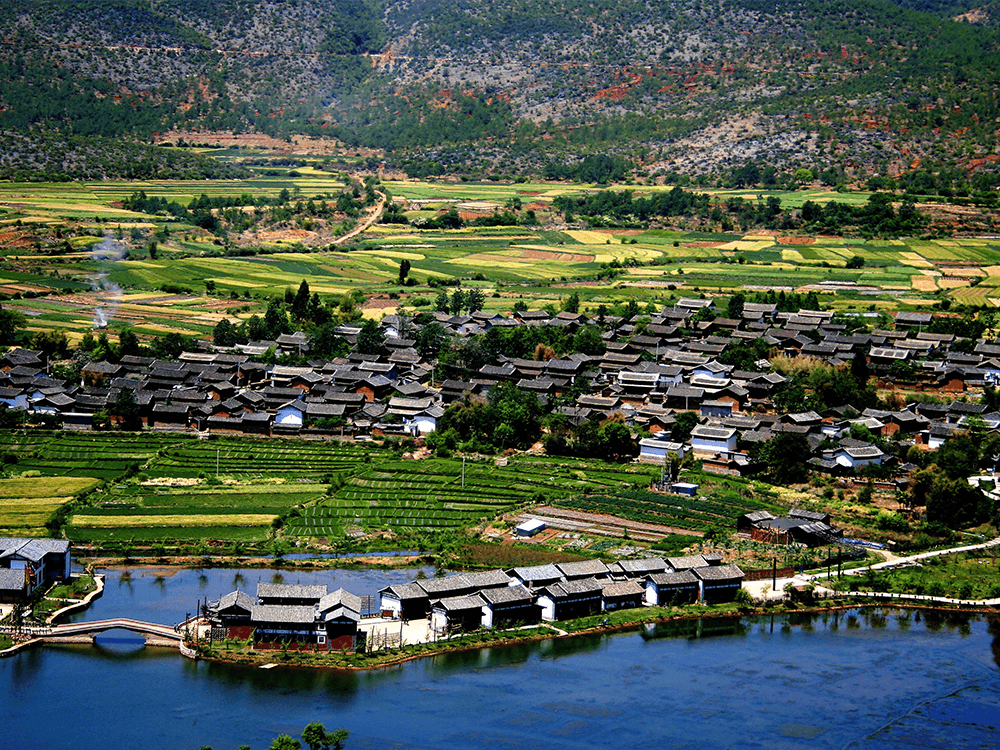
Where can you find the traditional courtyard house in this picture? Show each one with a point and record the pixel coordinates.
(636, 386)
(636, 569)
(857, 457)
(621, 595)
(513, 605)
(746, 523)
(670, 589)
(487, 579)
(99, 373)
(686, 562)
(445, 588)
(456, 614)
(717, 408)
(168, 415)
(658, 450)
(719, 583)
(531, 317)
(281, 626)
(232, 613)
(913, 320)
(709, 439)
(291, 414)
(535, 577)
(684, 397)
(317, 411)
(570, 599)
(256, 423)
(30, 564)
(405, 601)
(14, 398)
(584, 569)
(338, 614)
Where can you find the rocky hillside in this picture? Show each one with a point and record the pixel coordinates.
(694, 86)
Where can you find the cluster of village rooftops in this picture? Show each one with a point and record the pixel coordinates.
(671, 366)
(285, 615)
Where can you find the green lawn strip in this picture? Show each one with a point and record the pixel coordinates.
(966, 575)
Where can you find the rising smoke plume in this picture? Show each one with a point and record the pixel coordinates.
(104, 253)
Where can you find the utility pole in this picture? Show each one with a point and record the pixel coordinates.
(463, 472)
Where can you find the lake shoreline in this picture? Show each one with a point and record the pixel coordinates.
(315, 663)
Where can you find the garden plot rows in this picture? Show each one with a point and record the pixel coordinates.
(430, 494)
(94, 455)
(720, 509)
(264, 459)
(152, 512)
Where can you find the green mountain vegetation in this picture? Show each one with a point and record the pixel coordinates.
(847, 90)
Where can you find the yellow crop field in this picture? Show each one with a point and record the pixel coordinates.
(32, 488)
(588, 237)
(923, 283)
(193, 520)
(916, 260)
(749, 245)
(28, 502)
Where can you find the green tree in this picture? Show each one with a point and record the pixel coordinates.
(284, 742)
(326, 342)
(734, 309)
(404, 270)
(784, 457)
(572, 303)
(441, 302)
(317, 738)
(371, 338)
(128, 343)
(617, 442)
(474, 300)
(457, 301)
(276, 319)
(11, 323)
(684, 423)
(302, 302)
(223, 334)
(430, 339)
(127, 410)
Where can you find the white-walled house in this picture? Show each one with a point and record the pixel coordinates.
(292, 414)
(858, 457)
(710, 439)
(657, 450)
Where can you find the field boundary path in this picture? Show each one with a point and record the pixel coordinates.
(367, 222)
(762, 589)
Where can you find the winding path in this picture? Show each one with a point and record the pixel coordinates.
(366, 222)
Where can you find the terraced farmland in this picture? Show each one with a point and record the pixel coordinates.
(720, 506)
(96, 455)
(244, 458)
(27, 504)
(431, 494)
(146, 512)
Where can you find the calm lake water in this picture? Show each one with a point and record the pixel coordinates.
(872, 679)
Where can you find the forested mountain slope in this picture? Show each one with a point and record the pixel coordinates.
(688, 85)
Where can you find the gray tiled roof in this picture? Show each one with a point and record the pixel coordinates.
(719, 573)
(292, 614)
(457, 603)
(290, 591)
(583, 568)
(506, 595)
(11, 579)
